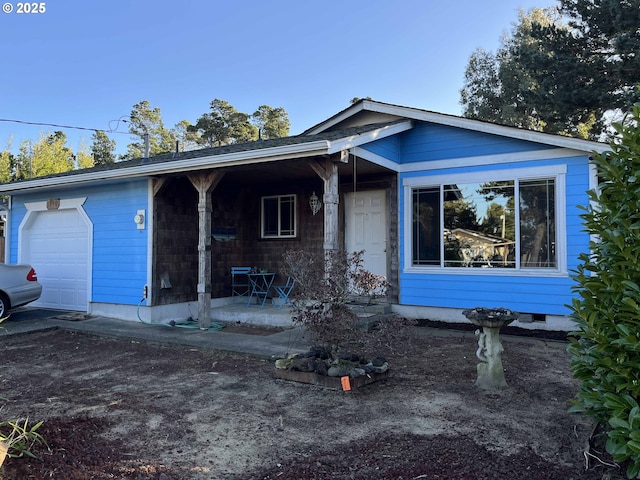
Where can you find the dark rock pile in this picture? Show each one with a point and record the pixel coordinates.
(320, 361)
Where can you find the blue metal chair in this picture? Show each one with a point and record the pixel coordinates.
(260, 287)
(283, 292)
(240, 282)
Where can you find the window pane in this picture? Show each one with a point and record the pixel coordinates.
(479, 221)
(278, 216)
(270, 217)
(537, 224)
(426, 226)
(287, 216)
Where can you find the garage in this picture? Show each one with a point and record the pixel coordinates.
(56, 243)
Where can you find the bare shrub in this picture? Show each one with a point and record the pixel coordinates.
(324, 286)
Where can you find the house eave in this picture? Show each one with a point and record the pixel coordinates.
(459, 122)
(371, 136)
(310, 149)
(512, 132)
(148, 168)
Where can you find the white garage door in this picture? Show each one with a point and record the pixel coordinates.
(56, 244)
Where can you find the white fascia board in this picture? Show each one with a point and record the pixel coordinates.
(371, 136)
(486, 127)
(359, 152)
(485, 160)
(176, 166)
(325, 125)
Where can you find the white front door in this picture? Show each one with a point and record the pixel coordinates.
(366, 228)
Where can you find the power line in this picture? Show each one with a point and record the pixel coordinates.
(23, 122)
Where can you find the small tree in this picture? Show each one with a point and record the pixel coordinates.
(324, 286)
(606, 346)
(321, 295)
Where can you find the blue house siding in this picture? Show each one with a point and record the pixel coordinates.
(577, 185)
(388, 148)
(18, 211)
(521, 291)
(439, 142)
(531, 295)
(427, 142)
(119, 250)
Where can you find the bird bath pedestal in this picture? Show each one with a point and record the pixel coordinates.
(490, 371)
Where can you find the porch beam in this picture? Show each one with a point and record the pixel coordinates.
(204, 183)
(331, 201)
(158, 185)
(327, 170)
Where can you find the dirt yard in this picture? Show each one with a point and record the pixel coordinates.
(120, 409)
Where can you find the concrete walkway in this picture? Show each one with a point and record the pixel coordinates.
(277, 345)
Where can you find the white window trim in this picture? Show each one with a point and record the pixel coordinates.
(295, 220)
(558, 172)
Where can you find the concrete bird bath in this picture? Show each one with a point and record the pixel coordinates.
(490, 371)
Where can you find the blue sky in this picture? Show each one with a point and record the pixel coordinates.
(85, 63)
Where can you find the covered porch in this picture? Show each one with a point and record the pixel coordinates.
(206, 222)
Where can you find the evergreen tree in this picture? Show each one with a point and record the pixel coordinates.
(48, 155)
(102, 148)
(606, 37)
(223, 125)
(145, 120)
(557, 76)
(83, 157)
(498, 89)
(7, 163)
(271, 122)
(186, 136)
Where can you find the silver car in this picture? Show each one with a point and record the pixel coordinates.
(18, 286)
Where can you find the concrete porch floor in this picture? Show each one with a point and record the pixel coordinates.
(253, 314)
(269, 315)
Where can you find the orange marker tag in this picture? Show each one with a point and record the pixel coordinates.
(346, 384)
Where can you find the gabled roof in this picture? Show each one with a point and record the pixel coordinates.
(300, 146)
(372, 109)
(361, 123)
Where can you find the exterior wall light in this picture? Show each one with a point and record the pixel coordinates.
(315, 203)
(139, 220)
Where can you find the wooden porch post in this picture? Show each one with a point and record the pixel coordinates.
(331, 201)
(204, 183)
(328, 171)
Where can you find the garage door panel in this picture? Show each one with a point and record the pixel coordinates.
(57, 245)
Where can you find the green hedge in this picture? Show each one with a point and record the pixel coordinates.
(606, 346)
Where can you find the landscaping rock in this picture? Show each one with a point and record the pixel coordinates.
(378, 368)
(318, 352)
(378, 361)
(337, 371)
(304, 364)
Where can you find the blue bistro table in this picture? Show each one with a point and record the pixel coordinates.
(260, 286)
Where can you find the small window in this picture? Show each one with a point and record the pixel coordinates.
(278, 214)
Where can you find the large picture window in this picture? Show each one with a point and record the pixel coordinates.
(504, 223)
(278, 216)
